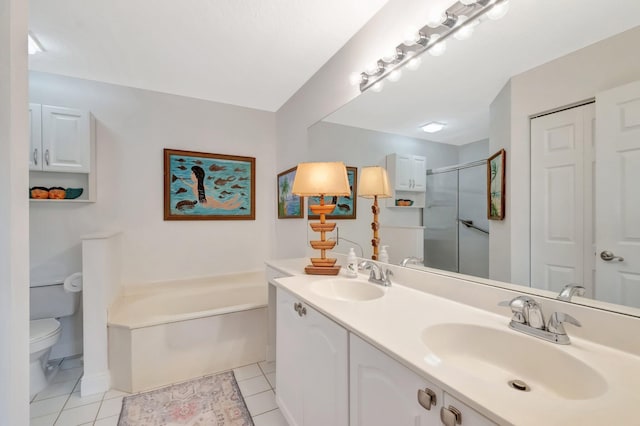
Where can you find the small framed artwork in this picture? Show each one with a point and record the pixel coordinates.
(202, 186)
(290, 206)
(496, 185)
(345, 206)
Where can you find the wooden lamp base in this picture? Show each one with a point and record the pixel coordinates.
(322, 265)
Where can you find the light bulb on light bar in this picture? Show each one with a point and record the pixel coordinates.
(377, 87)
(439, 47)
(394, 75)
(33, 44)
(466, 28)
(433, 127)
(498, 11)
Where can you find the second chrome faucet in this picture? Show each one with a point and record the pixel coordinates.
(528, 318)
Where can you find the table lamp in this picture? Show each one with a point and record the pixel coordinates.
(320, 179)
(374, 183)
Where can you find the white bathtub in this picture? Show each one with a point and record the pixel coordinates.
(173, 331)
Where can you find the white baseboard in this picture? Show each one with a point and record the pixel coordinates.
(95, 383)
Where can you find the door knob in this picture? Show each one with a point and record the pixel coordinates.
(608, 256)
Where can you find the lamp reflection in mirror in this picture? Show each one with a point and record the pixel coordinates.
(374, 183)
(320, 179)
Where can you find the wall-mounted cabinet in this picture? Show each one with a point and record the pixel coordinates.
(62, 150)
(408, 180)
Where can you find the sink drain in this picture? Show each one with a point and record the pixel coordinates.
(519, 385)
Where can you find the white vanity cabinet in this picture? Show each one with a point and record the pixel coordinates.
(60, 139)
(384, 392)
(311, 365)
(407, 177)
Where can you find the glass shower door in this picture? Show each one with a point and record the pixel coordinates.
(440, 221)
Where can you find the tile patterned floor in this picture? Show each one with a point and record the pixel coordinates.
(60, 404)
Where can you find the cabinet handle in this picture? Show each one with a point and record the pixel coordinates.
(35, 157)
(297, 307)
(427, 398)
(450, 416)
(46, 157)
(303, 311)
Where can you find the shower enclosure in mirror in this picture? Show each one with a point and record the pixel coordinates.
(456, 236)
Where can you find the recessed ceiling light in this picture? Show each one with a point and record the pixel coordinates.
(433, 127)
(34, 45)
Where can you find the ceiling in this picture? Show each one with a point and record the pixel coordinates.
(458, 87)
(252, 53)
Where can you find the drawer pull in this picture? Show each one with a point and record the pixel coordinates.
(450, 416)
(427, 398)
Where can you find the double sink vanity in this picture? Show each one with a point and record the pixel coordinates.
(433, 349)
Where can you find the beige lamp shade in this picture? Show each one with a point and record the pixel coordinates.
(321, 179)
(374, 181)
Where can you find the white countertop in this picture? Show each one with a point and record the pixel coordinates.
(395, 322)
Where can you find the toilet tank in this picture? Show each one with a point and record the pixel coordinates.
(52, 301)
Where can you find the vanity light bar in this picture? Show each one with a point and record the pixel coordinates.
(425, 40)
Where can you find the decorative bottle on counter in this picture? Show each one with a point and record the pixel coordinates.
(383, 256)
(352, 264)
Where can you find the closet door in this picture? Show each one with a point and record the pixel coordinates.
(561, 203)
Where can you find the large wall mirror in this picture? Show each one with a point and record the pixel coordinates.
(554, 84)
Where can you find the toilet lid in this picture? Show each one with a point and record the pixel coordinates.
(42, 329)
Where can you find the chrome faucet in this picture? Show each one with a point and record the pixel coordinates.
(570, 290)
(529, 319)
(378, 275)
(411, 260)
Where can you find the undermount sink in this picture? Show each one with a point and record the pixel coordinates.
(353, 290)
(499, 357)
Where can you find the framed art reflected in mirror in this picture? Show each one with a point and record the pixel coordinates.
(496, 185)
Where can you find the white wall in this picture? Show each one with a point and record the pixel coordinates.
(14, 214)
(564, 81)
(360, 147)
(132, 128)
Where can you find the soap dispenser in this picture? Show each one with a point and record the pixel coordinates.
(383, 256)
(352, 264)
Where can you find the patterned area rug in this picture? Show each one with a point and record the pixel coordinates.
(211, 401)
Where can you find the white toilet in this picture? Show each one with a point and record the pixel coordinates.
(47, 303)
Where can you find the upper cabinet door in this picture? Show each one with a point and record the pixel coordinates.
(66, 140)
(35, 137)
(402, 170)
(419, 171)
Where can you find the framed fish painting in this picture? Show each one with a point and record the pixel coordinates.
(290, 206)
(202, 186)
(345, 206)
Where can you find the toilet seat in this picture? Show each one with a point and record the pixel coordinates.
(43, 333)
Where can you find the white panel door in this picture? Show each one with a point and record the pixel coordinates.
(618, 194)
(66, 140)
(35, 137)
(561, 178)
